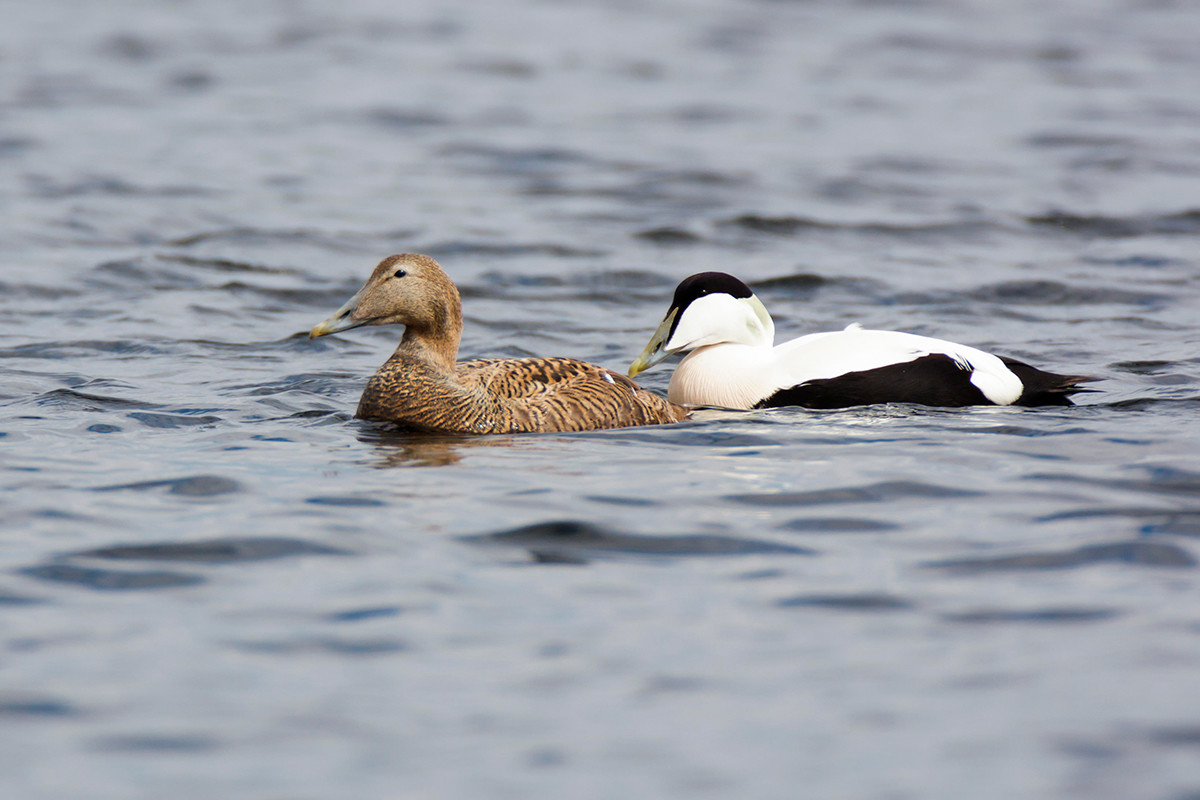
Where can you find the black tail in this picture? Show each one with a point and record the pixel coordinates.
(1045, 388)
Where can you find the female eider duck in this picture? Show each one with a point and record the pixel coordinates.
(733, 363)
(422, 387)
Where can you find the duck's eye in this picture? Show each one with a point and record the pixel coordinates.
(399, 273)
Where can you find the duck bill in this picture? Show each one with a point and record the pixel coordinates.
(341, 320)
(656, 350)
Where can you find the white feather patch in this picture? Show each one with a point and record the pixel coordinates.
(739, 375)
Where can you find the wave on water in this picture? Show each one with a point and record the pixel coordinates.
(867, 601)
(1180, 223)
(190, 486)
(1146, 554)
(77, 569)
(214, 551)
(888, 491)
(107, 580)
(570, 541)
(1057, 293)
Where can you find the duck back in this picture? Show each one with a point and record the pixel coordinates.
(509, 396)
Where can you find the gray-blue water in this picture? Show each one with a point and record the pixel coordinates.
(215, 583)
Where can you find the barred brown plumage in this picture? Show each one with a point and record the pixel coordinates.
(423, 387)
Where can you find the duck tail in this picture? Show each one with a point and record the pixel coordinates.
(1046, 388)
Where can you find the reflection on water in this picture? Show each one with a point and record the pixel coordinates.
(398, 448)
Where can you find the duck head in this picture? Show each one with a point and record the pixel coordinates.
(407, 289)
(708, 308)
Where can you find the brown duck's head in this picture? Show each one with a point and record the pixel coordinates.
(407, 289)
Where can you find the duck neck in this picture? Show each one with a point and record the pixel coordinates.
(435, 341)
(762, 328)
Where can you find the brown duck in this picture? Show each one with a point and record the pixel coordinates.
(422, 386)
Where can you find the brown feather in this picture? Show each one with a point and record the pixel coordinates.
(422, 387)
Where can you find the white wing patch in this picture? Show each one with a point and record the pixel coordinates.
(820, 356)
(998, 383)
(738, 375)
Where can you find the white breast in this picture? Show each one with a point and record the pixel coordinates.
(726, 375)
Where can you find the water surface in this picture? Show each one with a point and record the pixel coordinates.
(215, 583)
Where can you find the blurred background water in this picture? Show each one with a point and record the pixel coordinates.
(215, 583)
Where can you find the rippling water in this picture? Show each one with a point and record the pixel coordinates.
(216, 583)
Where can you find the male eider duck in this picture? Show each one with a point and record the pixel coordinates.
(422, 387)
(732, 362)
